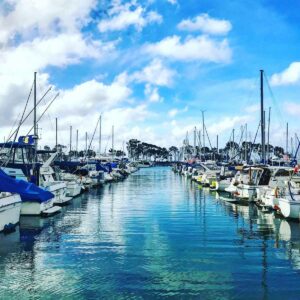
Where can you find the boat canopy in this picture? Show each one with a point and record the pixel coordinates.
(15, 145)
(27, 190)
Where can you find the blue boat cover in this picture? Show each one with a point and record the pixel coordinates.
(28, 191)
(99, 167)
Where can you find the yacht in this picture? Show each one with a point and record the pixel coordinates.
(10, 208)
(50, 183)
(18, 171)
(289, 200)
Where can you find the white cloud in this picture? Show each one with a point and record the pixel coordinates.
(201, 48)
(92, 96)
(29, 18)
(173, 2)
(61, 50)
(206, 24)
(289, 76)
(155, 73)
(175, 111)
(292, 108)
(227, 123)
(252, 108)
(152, 93)
(123, 16)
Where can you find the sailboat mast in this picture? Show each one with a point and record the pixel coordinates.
(287, 138)
(86, 138)
(34, 169)
(76, 142)
(203, 134)
(269, 121)
(70, 139)
(56, 134)
(100, 134)
(112, 141)
(34, 111)
(195, 131)
(262, 116)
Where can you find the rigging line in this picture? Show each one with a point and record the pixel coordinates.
(18, 128)
(8, 155)
(45, 111)
(242, 135)
(207, 137)
(93, 134)
(27, 116)
(23, 112)
(274, 102)
(251, 149)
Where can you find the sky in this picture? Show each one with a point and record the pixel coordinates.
(150, 67)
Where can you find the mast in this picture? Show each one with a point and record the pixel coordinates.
(112, 141)
(56, 134)
(269, 121)
(262, 121)
(217, 144)
(233, 147)
(287, 138)
(195, 130)
(70, 139)
(246, 143)
(77, 142)
(86, 138)
(34, 169)
(203, 133)
(100, 134)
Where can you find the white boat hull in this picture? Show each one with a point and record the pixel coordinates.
(289, 208)
(10, 207)
(246, 192)
(73, 189)
(35, 208)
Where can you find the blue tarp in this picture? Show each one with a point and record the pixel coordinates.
(100, 167)
(28, 191)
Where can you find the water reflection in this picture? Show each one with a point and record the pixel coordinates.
(154, 235)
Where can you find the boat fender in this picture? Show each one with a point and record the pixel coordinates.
(276, 192)
(276, 207)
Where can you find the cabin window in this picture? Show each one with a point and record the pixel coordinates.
(283, 172)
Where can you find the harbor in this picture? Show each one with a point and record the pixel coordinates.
(154, 235)
(149, 149)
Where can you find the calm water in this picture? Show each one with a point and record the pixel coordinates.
(154, 235)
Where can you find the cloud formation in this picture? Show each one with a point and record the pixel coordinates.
(122, 16)
(289, 76)
(200, 48)
(205, 24)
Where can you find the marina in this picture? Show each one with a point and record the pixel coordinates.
(153, 235)
(149, 149)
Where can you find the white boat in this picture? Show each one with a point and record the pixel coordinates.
(257, 176)
(49, 182)
(223, 179)
(10, 207)
(33, 207)
(289, 204)
(267, 196)
(73, 182)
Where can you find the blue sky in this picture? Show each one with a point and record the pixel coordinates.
(150, 67)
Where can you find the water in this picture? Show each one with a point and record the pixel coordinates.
(154, 235)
